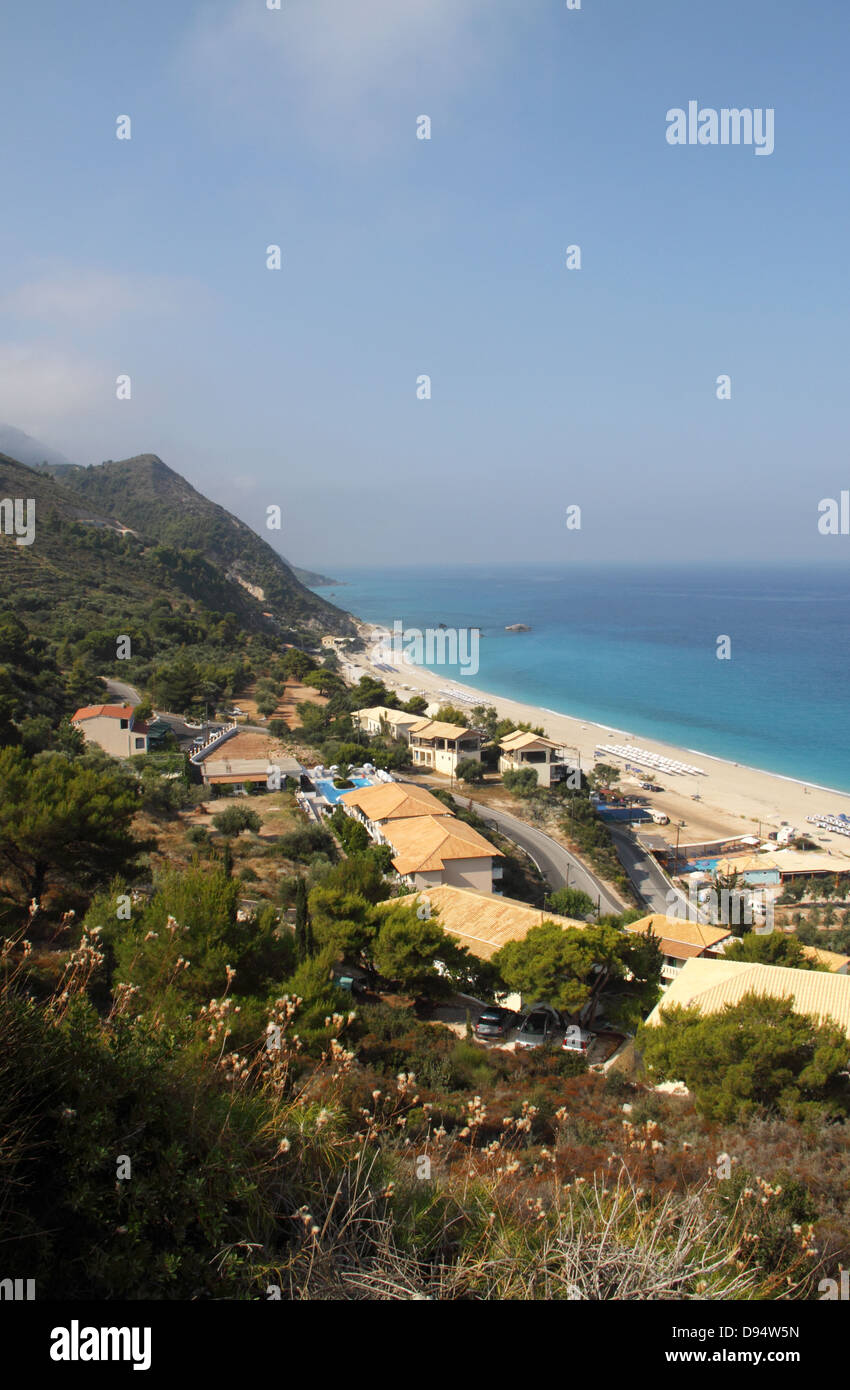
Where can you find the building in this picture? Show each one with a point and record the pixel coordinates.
(781, 865)
(335, 644)
(442, 746)
(681, 940)
(114, 728)
(393, 723)
(377, 806)
(833, 960)
(239, 760)
(709, 985)
(484, 922)
(431, 850)
(547, 759)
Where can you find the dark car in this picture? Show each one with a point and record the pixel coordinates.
(541, 1025)
(495, 1023)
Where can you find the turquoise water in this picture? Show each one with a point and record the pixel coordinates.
(332, 793)
(636, 649)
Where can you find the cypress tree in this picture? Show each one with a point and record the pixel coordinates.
(303, 933)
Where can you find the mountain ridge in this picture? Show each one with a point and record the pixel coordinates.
(152, 499)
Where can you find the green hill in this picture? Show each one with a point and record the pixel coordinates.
(146, 495)
(187, 582)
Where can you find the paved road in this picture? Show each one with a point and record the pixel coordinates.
(126, 693)
(555, 863)
(646, 876)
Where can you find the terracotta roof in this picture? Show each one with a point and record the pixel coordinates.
(394, 801)
(832, 959)
(102, 712)
(424, 843)
(677, 949)
(484, 921)
(710, 985)
(236, 777)
(746, 864)
(435, 728)
(521, 738)
(679, 931)
(389, 716)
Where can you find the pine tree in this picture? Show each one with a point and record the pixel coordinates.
(303, 931)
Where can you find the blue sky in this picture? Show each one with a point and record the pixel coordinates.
(402, 256)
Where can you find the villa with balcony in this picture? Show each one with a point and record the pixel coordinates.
(547, 759)
(440, 746)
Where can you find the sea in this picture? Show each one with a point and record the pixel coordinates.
(637, 649)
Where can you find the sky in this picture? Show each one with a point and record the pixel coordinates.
(550, 388)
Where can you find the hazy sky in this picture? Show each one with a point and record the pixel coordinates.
(401, 257)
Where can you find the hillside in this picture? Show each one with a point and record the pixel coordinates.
(147, 571)
(17, 445)
(313, 580)
(146, 495)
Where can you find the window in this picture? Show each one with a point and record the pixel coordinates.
(140, 743)
(125, 723)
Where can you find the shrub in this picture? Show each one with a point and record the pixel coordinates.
(303, 843)
(235, 819)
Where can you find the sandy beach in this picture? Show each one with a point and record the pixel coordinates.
(733, 799)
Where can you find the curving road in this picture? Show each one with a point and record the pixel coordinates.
(647, 878)
(557, 864)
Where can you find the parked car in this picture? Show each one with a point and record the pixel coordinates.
(495, 1023)
(542, 1024)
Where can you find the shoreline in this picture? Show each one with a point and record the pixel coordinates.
(730, 797)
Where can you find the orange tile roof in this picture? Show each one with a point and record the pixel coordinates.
(483, 921)
(711, 985)
(394, 801)
(520, 738)
(424, 843)
(435, 728)
(679, 930)
(104, 711)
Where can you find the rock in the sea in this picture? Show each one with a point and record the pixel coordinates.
(517, 627)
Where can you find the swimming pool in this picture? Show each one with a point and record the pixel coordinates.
(332, 794)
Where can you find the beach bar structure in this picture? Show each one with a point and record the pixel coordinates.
(546, 759)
